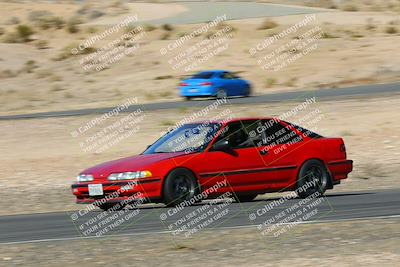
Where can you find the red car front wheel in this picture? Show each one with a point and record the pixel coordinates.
(180, 185)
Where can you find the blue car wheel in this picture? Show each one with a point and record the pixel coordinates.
(248, 91)
(221, 93)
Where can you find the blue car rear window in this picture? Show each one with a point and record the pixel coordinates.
(203, 75)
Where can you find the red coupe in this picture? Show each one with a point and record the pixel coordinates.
(245, 157)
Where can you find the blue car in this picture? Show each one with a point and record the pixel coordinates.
(216, 83)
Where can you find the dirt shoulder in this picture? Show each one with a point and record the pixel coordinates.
(366, 242)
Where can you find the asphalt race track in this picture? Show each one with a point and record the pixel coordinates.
(321, 95)
(333, 207)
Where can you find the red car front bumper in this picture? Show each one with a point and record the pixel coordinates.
(119, 190)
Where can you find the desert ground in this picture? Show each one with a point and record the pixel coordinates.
(38, 71)
(40, 158)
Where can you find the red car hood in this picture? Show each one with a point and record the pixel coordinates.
(134, 163)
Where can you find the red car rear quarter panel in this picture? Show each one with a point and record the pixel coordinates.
(335, 158)
(312, 149)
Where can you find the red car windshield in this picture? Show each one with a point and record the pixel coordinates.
(188, 138)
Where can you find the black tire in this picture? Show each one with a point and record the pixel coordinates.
(248, 93)
(111, 206)
(313, 177)
(221, 93)
(245, 198)
(180, 185)
(188, 98)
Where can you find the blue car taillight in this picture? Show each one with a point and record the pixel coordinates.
(206, 84)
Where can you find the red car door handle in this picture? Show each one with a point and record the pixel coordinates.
(263, 152)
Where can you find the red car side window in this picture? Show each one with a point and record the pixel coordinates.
(242, 134)
(276, 133)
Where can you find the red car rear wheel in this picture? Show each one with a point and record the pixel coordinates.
(312, 179)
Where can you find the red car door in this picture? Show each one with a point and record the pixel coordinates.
(243, 167)
(281, 151)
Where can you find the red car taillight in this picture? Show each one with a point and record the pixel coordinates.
(206, 84)
(342, 148)
(182, 84)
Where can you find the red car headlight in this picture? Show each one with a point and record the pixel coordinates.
(129, 175)
(84, 178)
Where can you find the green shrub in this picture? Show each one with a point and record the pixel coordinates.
(72, 25)
(45, 19)
(88, 50)
(149, 28)
(267, 24)
(56, 88)
(37, 15)
(58, 22)
(326, 35)
(92, 30)
(370, 24)
(43, 73)
(270, 82)
(24, 32)
(13, 21)
(65, 52)
(291, 82)
(30, 66)
(165, 36)
(349, 8)
(55, 78)
(166, 94)
(11, 38)
(130, 28)
(42, 44)
(4, 74)
(68, 95)
(167, 27)
(94, 14)
(210, 34)
(370, 27)
(164, 77)
(391, 30)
